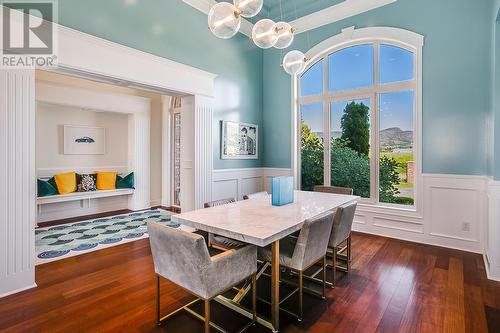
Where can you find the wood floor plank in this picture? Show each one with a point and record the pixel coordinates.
(454, 320)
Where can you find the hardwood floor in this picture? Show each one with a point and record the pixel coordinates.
(394, 286)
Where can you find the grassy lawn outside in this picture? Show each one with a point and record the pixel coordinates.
(401, 158)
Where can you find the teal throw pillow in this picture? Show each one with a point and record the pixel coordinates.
(125, 182)
(47, 187)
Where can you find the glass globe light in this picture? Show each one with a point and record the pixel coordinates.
(224, 20)
(249, 8)
(263, 34)
(285, 35)
(294, 62)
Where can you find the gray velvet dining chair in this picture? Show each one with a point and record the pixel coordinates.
(183, 258)
(217, 241)
(341, 233)
(255, 195)
(302, 252)
(333, 189)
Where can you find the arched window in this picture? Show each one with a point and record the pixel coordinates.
(358, 115)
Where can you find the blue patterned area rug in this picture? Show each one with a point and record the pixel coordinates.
(67, 240)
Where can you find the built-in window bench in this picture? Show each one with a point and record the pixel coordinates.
(82, 196)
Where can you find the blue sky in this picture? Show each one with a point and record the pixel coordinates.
(353, 68)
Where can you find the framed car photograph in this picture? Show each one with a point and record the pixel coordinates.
(84, 140)
(239, 140)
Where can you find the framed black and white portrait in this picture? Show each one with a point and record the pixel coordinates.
(239, 141)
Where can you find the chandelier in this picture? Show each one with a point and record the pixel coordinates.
(224, 20)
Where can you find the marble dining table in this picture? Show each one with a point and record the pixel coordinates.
(258, 222)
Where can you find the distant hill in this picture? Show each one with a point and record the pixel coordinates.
(395, 137)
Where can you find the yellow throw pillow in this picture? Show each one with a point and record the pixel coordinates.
(106, 180)
(66, 182)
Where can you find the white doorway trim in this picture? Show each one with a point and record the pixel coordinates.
(97, 59)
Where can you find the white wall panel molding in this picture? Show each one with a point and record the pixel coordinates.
(492, 232)
(235, 183)
(454, 216)
(449, 201)
(17, 173)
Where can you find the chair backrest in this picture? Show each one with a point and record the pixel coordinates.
(219, 202)
(333, 189)
(179, 256)
(313, 240)
(342, 224)
(255, 195)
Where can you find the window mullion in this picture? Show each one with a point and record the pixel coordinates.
(374, 165)
(326, 126)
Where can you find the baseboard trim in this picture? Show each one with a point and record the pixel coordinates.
(489, 274)
(34, 285)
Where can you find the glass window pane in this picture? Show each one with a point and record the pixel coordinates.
(396, 176)
(351, 68)
(311, 116)
(350, 148)
(311, 82)
(396, 64)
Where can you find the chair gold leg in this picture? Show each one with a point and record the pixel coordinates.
(324, 277)
(207, 316)
(349, 253)
(301, 293)
(254, 296)
(334, 266)
(158, 322)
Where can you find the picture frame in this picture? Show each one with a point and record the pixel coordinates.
(239, 141)
(84, 140)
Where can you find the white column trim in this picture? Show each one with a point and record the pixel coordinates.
(17, 173)
(204, 108)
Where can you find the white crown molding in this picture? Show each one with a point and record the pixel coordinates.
(204, 7)
(312, 21)
(336, 13)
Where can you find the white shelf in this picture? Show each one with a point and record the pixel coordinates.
(83, 196)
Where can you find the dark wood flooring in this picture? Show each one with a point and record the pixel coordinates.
(394, 286)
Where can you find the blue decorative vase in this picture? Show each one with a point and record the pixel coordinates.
(282, 190)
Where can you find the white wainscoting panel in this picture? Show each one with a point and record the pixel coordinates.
(235, 183)
(492, 232)
(453, 215)
(17, 174)
(269, 173)
(63, 210)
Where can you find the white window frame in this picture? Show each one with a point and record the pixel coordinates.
(349, 37)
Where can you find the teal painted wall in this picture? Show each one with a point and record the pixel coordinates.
(456, 78)
(174, 30)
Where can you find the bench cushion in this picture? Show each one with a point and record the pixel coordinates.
(66, 182)
(46, 187)
(125, 182)
(106, 180)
